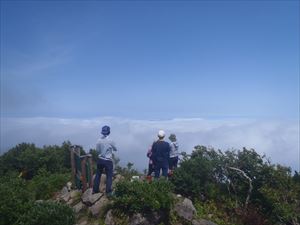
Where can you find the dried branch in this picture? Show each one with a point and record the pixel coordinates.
(250, 183)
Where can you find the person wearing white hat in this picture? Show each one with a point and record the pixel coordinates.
(160, 155)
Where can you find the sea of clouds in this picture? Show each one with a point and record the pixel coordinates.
(279, 140)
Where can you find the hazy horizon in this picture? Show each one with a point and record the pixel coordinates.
(69, 67)
(133, 137)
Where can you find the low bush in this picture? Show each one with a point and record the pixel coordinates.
(48, 213)
(44, 184)
(15, 199)
(142, 197)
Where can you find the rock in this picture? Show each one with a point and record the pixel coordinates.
(70, 202)
(64, 191)
(88, 198)
(202, 222)
(135, 178)
(117, 179)
(83, 223)
(98, 206)
(75, 193)
(138, 219)
(64, 194)
(78, 207)
(102, 186)
(109, 219)
(185, 209)
(69, 186)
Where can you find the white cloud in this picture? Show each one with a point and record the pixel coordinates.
(279, 140)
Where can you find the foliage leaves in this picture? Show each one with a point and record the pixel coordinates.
(48, 213)
(207, 176)
(142, 197)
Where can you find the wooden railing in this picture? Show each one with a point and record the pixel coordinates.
(82, 169)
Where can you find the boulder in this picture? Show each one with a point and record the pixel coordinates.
(109, 219)
(202, 222)
(89, 198)
(64, 191)
(64, 194)
(98, 206)
(78, 207)
(83, 221)
(102, 185)
(117, 179)
(185, 209)
(75, 193)
(138, 219)
(71, 201)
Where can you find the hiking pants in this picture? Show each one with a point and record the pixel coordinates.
(164, 166)
(173, 163)
(150, 169)
(108, 166)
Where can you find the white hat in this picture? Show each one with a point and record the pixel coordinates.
(161, 134)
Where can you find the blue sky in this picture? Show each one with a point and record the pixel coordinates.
(150, 60)
(217, 73)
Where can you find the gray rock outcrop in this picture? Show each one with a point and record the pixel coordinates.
(89, 198)
(98, 206)
(185, 209)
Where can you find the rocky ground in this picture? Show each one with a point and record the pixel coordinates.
(93, 209)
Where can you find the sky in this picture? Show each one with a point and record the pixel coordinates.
(145, 62)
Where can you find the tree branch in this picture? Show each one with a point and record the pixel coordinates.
(250, 182)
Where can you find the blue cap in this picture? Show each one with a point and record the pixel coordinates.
(105, 130)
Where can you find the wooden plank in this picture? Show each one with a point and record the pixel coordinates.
(73, 168)
(83, 174)
(91, 171)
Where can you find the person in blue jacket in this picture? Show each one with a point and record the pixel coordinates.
(104, 148)
(160, 155)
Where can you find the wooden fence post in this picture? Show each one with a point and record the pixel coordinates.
(73, 168)
(83, 173)
(91, 171)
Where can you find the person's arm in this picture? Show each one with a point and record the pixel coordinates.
(98, 148)
(113, 146)
(149, 152)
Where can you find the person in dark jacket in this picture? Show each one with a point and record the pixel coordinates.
(160, 155)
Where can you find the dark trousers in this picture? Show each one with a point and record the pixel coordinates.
(108, 166)
(150, 169)
(164, 166)
(173, 163)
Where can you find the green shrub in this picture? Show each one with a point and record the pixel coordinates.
(218, 213)
(44, 184)
(200, 175)
(48, 213)
(15, 199)
(28, 159)
(142, 197)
